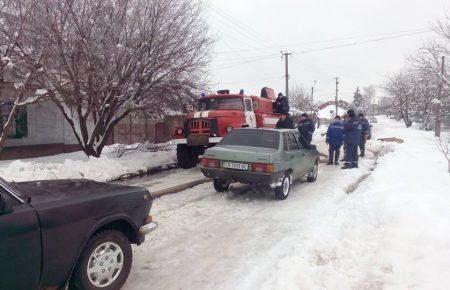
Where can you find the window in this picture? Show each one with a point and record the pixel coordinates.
(20, 125)
(222, 104)
(253, 138)
(248, 105)
(292, 142)
(255, 105)
(300, 144)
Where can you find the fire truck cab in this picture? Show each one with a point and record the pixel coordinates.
(217, 115)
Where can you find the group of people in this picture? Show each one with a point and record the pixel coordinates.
(352, 132)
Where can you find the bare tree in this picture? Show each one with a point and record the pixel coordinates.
(299, 99)
(19, 84)
(443, 143)
(404, 92)
(105, 59)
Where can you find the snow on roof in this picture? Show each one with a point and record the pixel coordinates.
(329, 112)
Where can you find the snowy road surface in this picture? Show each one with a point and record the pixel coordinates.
(391, 232)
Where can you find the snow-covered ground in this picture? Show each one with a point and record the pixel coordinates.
(391, 232)
(78, 165)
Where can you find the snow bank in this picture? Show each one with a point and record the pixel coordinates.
(78, 165)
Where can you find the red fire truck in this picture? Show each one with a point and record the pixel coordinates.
(218, 114)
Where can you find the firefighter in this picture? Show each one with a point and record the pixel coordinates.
(281, 105)
(285, 122)
(365, 134)
(335, 138)
(306, 129)
(352, 131)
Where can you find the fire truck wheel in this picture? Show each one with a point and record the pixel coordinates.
(187, 157)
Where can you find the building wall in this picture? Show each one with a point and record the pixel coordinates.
(46, 125)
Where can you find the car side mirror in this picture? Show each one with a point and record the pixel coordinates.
(5, 207)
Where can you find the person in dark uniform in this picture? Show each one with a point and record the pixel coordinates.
(285, 122)
(306, 129)
(365, 127)
(352, 138)
(281, 105)
(335, 138)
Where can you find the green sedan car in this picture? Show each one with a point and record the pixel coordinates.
(261, 156)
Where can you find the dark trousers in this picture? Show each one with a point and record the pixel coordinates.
(352, 155)
(362, 145)
(333, 153)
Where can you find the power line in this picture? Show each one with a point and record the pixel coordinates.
(247, 62)
(361, 42)
(237, 27)
(246, 28)
(418, 31)
(252, 81)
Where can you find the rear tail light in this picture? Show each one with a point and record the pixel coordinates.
(263, 167)
(208, 162)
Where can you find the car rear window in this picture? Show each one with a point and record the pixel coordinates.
(252, 137)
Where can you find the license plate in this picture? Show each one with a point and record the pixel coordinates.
(234, 165)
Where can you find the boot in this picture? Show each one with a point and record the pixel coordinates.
(330, 157)
(363, 154)
(347, 166)
(336, 158)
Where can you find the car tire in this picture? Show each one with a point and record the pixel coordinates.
(312, 175)
(187, 157)
(221, 185)
(282, 191)
(118, 245)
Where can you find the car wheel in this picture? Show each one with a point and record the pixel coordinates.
(104, 263)
(221, 185)
(282, 191)
(312, 175)
(187, 157)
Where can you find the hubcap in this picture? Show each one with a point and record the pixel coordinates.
(105, 264)
(286, 186)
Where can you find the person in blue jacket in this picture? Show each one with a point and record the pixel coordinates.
(352, 138)
(365, 133)
(306, 129)
(335, 138)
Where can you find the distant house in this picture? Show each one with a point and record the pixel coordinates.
(327, 110)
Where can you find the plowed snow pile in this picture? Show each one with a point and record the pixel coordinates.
(78, 165)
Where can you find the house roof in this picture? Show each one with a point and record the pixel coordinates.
(341, 104)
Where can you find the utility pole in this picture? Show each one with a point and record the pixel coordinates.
(438, 124)
(336, 98)
(286, 59)
(312, 92)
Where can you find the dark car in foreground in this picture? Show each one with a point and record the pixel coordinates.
(70, 232)
(261, 156)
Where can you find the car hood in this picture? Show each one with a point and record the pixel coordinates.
(66, 189)
(242, 153)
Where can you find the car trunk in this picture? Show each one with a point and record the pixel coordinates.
(242, 153)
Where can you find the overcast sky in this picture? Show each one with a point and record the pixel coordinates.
(251, 33)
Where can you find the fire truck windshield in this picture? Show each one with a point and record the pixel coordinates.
(222, 104)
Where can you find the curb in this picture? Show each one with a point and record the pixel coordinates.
(142, 173)
(180, 187)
